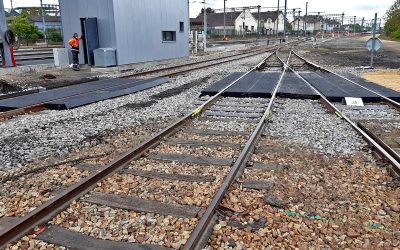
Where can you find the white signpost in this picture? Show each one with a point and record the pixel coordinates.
(374, 44)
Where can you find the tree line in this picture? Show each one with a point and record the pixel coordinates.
(392, 26)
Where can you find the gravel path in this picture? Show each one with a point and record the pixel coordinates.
(32, 137)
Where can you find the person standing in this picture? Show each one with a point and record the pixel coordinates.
(74, 43)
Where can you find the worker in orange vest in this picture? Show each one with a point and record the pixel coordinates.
(74, 43)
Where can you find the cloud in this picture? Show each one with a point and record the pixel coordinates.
(369, 6)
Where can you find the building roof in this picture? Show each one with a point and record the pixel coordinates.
(217, 19)
(331, 21)
(268, 14)
(53, 19)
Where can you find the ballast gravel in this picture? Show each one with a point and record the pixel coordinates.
(307, 123)
(56, 133)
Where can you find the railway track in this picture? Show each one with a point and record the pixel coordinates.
(198, 134)
(198, 184)
(303, 197)
(161, 72)
(371, 114)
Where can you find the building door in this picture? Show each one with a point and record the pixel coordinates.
(91, 38)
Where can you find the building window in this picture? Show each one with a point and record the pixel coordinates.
(169, 36)
(252, 28)
(181, 26)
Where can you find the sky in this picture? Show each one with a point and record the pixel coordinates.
(359, 8)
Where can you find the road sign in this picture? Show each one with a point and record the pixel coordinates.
(377, 45)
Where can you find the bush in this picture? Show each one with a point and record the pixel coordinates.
(54, 35)
(396, 34)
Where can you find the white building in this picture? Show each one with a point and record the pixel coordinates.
(271, 22)
(314, 24)
(236, 23)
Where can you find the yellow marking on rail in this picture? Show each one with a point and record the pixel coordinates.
(339, 115)
(197, 111)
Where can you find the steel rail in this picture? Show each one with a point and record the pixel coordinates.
(52, 207)
(391, 101)
(196, 240)
(368, 138)
(41, 106)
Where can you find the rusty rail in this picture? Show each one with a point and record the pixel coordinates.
(51, 208)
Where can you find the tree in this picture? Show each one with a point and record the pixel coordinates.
(392, 26)
(24, 30)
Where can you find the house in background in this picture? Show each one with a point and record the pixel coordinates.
(331, 25)
(237, 23)
(51, 22)
(271, 22)
(315, 24)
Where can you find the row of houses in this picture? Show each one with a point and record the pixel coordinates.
(271, 22)
(51, 21)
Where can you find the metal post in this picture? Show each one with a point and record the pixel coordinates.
(373, 41)
(284, 21)
(322, 27)
(342, 21)
(205, 27)
(298, 23)
(3, 28)
(259, 20)
(43, 21)
(277, 20)
(354, 26)
(224, 20)
(244, 23)
(305, 20)
(362, 25)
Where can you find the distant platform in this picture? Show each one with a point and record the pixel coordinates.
(262, 84)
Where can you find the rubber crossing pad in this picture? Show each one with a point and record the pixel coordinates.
(392, 94)
(81, 94)
(294, 87)
(117, 91)
(255, 84)
(336, 88)
(49, 95)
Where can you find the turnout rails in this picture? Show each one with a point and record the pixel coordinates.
(200, 142)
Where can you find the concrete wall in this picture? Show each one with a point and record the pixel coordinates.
(139, 25)
(73, 10)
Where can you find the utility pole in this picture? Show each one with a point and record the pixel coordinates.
(373, 41)
(277, 20)
(354, 26)
(205, 27)
(7, 61)
(224, 20)
(342, 20)
(298, 23)
(305, 20)
(362, 24)
(259, 20)
(43, 21)
(284, 22)
(322, 25)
